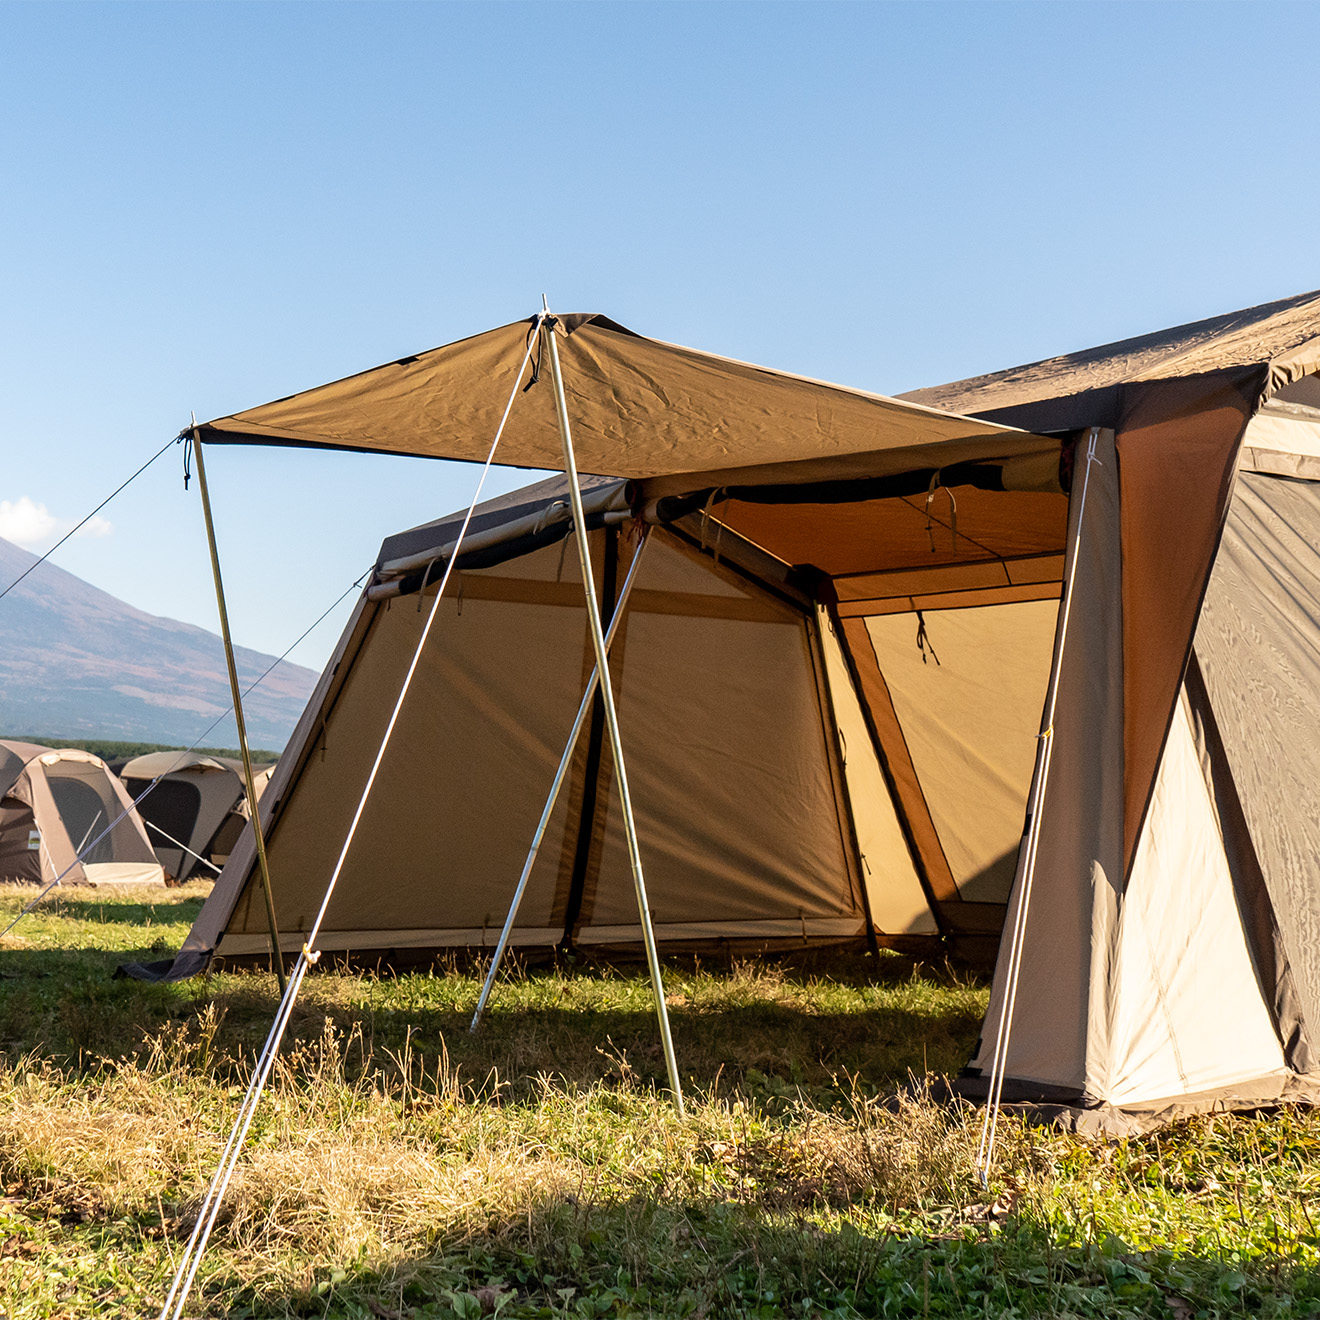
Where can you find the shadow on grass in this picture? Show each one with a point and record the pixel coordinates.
(769, 1038)
(112, 910)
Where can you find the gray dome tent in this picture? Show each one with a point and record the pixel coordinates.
(196, 812)
(54, 805)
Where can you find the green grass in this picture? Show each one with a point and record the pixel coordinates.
(401, 1167)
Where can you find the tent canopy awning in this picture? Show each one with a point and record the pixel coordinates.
(640, 409)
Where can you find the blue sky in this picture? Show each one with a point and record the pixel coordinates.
(207, 206)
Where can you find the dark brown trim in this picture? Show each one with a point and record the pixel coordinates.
(839, 775)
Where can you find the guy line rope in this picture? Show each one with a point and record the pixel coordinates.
(1045, 748)
(209, 1210)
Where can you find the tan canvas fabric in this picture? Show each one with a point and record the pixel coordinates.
(741, 820)
(970, 712)
(639, 408)
(488, 714)
(892, 748)
(903, 532)
(1057, 1036)
(1185, 1011)
(737, 812)
(1258, 644)
(897, 903)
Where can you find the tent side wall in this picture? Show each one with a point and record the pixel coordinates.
(1197, 976)
(1258, 649)
(486, 721)
(1080, 866)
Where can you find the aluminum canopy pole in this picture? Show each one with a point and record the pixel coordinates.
(553, 796)
(277, 955)
(611, 714)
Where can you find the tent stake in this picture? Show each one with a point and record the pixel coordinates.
(611, 714)
(277, 956)
(560, 775)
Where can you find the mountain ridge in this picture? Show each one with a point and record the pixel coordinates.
(76, 661)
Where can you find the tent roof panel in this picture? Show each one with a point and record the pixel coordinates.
(152, 764)
(640, 408)
(1282, 336)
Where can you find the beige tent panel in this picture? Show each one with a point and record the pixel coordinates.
(970, 722)
(904, 532)
(893, 888)
(1186, 1013)
(736, 810)
(743, 829)
(1258, 645)
(1058, 1032)
(489, 712)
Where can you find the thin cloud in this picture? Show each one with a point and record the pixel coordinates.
(28, 523)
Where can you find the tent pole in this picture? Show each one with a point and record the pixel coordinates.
(277, 956)
(560, 775)
(611, 714)
(1031, 841)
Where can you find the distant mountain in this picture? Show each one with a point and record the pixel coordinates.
(77, 662)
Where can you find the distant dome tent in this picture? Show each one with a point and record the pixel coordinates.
(196, 812)
(55, 803)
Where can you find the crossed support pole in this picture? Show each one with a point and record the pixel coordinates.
(600, 677)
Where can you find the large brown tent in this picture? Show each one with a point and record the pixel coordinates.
(785, 790)
(64, 816)
(912, 561)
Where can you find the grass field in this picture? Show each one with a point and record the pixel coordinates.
(401, 1167)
